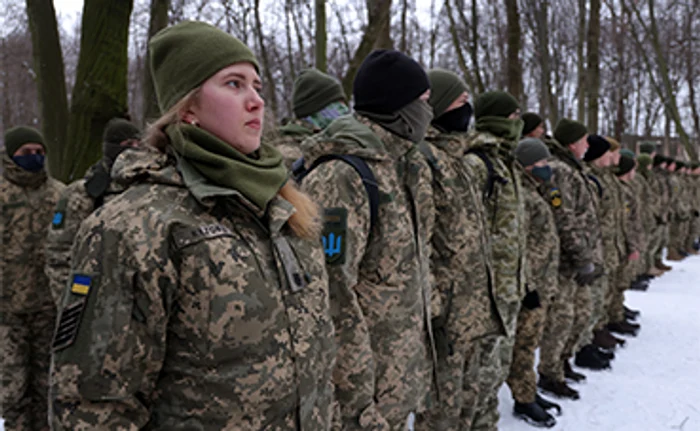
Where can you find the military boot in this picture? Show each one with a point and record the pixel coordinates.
(631, 314)
(624, 327)
(588, 357)
(674, 255)
(607, 354)
(662, 266)
(557, 388)
(572, 375)
(640, 285)
(655, 272)
(604, 339)
(547, 405)
(534, 414)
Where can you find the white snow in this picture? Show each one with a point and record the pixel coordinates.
(654, 384)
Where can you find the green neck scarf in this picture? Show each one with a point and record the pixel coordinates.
(509, 130)
(257, 178)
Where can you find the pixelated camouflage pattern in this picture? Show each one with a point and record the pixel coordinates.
(557, 327)
(496, 357)
(74, 205)
(381, 294)
(288, 139)
(193, 319)
(27, 314)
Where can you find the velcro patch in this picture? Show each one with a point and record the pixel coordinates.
(68, 325)
(555, 197)
(189, 236)
(335, 226)
(81, 284)
(59, 215)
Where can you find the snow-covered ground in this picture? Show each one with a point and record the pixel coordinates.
(654, 384)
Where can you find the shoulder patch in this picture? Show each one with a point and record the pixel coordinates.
(335, 226)
(81, 284)
(59, 214)
(555, 197)
(186, 237)
(71, 315)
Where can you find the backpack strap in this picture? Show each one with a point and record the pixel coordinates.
(361, 167)
(597, 183)
(493, 177)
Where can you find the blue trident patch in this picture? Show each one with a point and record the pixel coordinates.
(335, 226)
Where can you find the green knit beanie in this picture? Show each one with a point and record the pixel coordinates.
(647, 147)
(644, 160)
(568, 131)
(313, 91)
(531, 121)
(530, 151)
(625, 165)
(445, 88)
(495, 104)
(119, 130)
(628, 153)
(185, 55)
(18, 136)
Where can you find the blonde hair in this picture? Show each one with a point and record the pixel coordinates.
(305, 222)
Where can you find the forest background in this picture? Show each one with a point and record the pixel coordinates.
(627, 68)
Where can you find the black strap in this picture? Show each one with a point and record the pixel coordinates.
(597, 183)
(492, 175)
(362, 168)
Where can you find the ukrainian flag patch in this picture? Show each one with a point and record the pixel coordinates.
(81, 284)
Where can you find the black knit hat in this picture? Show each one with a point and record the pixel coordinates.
(313, 91)
(568, 131)
(495, 104)
(626, 164)
(387, 81)
(18, 136)
(531, 120)
(597, 146)
(659, 159)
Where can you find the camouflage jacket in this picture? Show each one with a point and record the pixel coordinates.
(610, 216)
(189, 308)
(596, 192)
(379, 280)
(461, 246)
(74, 205)
(653, 198)
(646, 212)
(27, 201)
(632, 227)
(506, 220)
(678, 206)
(575, 216)
(542, 237)
(660, 187)
(289, 138)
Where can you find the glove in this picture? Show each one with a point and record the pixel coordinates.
(531, 300)
(696, 213)
(443, 344)
(585, 275)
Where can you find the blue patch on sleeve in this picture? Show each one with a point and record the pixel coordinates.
(57, 219)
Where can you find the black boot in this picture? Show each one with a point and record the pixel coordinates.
(572, 375)
(588, 357)
(624, 327)
(534, 414)
(547, 405)
(632, 314)
(607, 354)
(556, 388)
(640, 285)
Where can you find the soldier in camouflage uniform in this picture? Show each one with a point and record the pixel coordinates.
(378, 264)
(652, 210)
(27, 314)
(497, 175)
(317, 100)
(692, 243)
(198, 297)
(575, 219)
(80, 199)
(461, 263)
(543, 267)
(679, 208)
(659, 236)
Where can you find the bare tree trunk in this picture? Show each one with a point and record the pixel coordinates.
(593, 74)
(300, 37)
(158, 21)
(378, 16)
(288, 34)
(515, 72)
(403, 45)
(474, 47)
(51, 82)
(690, 68)
(321, 58)
(344, 36)
(270, 82)
(458, 48)
(384, 40)
(100, 92)
(581, 63)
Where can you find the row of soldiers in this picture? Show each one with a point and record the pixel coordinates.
(452, 252)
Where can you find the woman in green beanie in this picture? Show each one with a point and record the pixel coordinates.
(198, 298)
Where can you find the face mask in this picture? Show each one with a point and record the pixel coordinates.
(417, 116)
(543, 173)
(30, 162)
(456, 120)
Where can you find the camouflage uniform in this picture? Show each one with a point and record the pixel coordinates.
(27, 314)
(651, 201)
(379, 279)
(575, 222)
(694, 229)
(543, 268)
(679, 211)
(505, 214)
(646, 216)
(74, 205)
(193, 312)
(659, 192)
(289, 138)
(664, 190)
(463, 272)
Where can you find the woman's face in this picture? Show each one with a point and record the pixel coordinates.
(229, 106)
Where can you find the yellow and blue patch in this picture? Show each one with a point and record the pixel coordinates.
(81, 284)
(555, 197)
